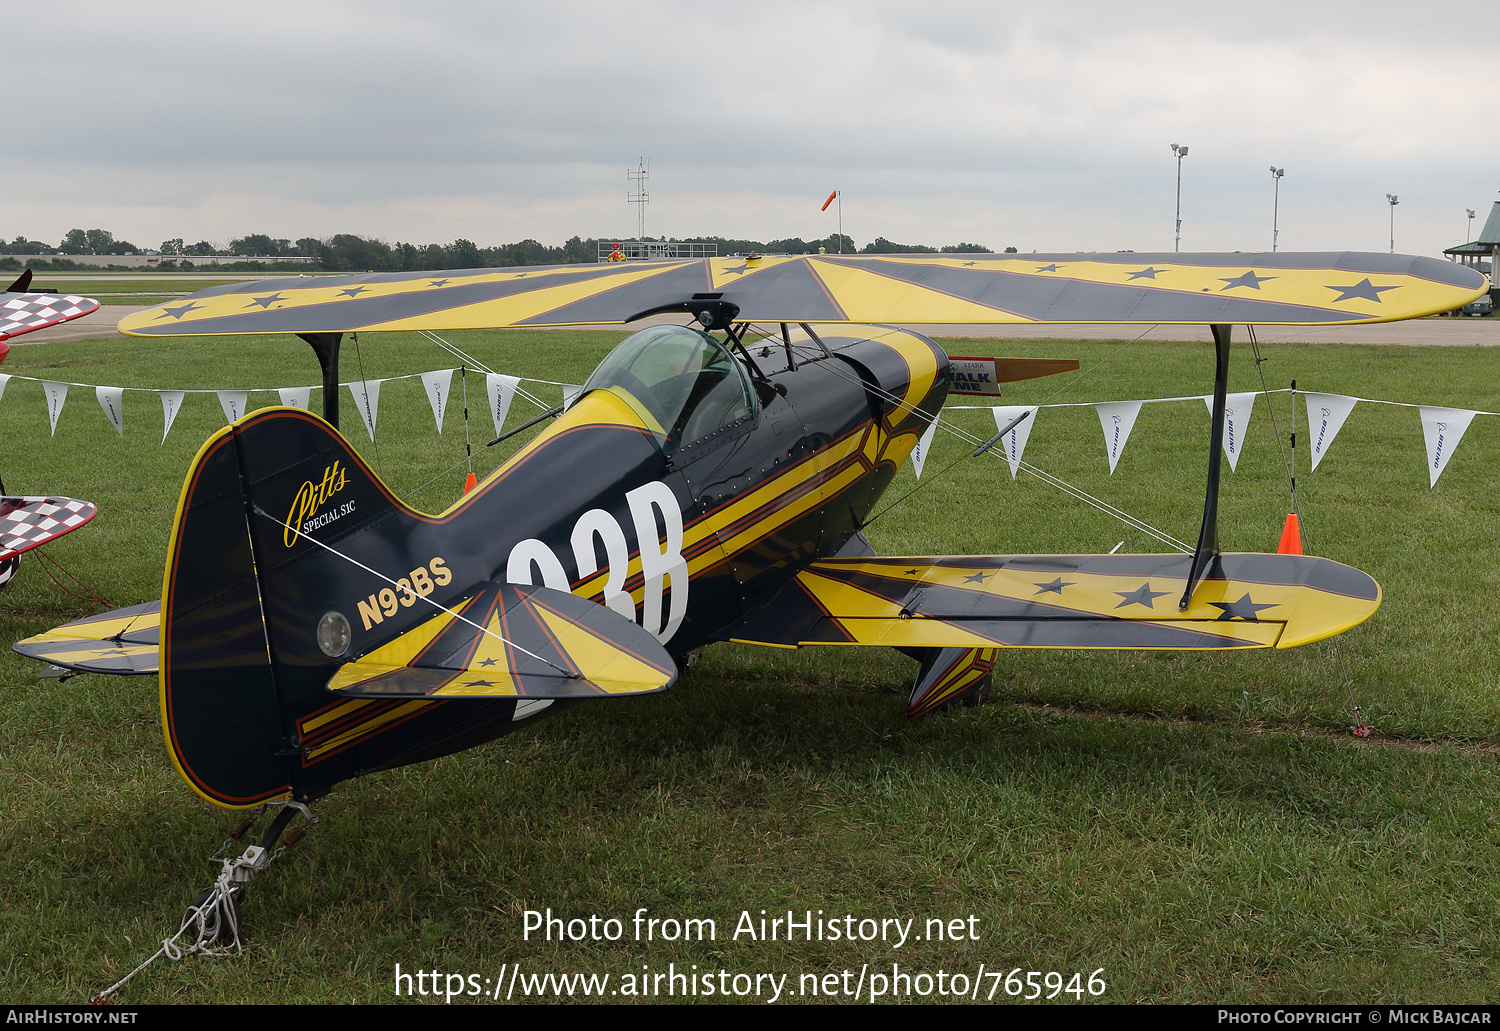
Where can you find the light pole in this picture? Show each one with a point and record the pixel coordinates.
(1181, 153)
(1276, 174)
(1392, 198)
(1470, 237)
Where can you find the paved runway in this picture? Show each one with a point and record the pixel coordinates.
(1446, 332)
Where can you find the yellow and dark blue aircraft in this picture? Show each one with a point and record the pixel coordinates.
(313, 628)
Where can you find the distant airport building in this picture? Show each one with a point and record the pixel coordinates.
(653, 250)
(1487, 246)
(158, 260)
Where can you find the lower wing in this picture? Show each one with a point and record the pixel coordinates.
(1064, 601)
(122, 642)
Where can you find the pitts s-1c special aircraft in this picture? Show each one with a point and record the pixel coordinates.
(313, 628)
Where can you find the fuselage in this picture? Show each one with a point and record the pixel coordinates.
(683, 489)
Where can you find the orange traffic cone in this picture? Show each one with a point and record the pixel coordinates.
(1291, 537)
(469, 483)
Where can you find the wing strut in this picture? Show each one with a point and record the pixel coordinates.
(1207, 553)
(326, 347)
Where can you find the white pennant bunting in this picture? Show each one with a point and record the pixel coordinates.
(233, 403)
(570, 394)
(500, 390)
(57, 395)
(1014, 442)
(919, 453)
(367, 400)
(295, 397)
(1325, 417)
(171, 404)
(1237, 409)
(1117, 419)
(112, 400)
(4, 379)
(437, 385)
(1443, 428)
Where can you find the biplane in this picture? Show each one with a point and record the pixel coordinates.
(701, 487)
(30, 522)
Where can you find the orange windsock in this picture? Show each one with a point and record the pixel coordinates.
(829, 201)
(1291, 537)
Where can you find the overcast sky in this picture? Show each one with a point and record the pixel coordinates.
(1040, 126)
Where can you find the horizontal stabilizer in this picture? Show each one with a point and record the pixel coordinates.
(535, 643)
(122, 642)
(1065, 601)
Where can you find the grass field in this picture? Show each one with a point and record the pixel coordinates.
(1198, 827)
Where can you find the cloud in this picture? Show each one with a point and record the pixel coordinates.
(995, 122)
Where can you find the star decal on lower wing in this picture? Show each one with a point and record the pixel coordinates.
(353, 291)
(265, 302)
(1142, 595)
(1048, 268)
(1243, 609)
(1055, 587)
(178, 313)
(977, 578)
(1145, 273)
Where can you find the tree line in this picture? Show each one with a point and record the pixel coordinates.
(347, 252)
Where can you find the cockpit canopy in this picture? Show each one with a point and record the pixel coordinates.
(681, 381)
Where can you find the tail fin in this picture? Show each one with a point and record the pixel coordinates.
(290, 560)
(256, 616)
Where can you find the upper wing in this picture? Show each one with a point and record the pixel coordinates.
(22, 313)
(1254, 289)
(1065, 601)
(27, 523)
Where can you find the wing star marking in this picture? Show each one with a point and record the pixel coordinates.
(1249, 279)
(265, 302)
(1055, 587)
(1243, 609)
(1363, 290)
(977, 578)
(1048, 268)
(178, 313)
(1146, 273)
(1142, 595)
(353, 291)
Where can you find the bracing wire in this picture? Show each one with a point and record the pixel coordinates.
(1076, 492)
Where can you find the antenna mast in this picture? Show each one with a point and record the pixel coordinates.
(637, 178)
